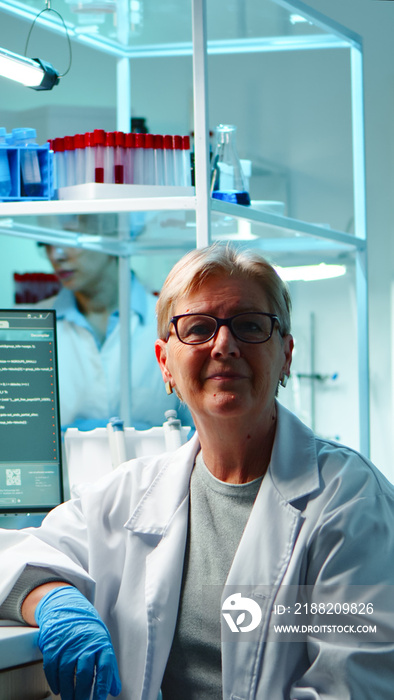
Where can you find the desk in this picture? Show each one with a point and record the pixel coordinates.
(21, 673)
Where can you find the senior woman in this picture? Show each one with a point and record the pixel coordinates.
(193, 558)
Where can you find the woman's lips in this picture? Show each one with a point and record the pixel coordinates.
(219, 376)
(64, 274)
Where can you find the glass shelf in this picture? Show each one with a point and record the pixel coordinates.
(137, 28)
(170, 225)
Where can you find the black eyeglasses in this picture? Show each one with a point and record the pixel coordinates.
(249, 327)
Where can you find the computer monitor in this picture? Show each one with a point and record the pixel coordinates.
(30, 437)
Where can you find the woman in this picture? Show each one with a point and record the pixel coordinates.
(88, 332)
(194, 558)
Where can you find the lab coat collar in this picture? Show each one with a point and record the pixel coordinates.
(293, 467)
(168, 491)
(66, 308)
(293, 472)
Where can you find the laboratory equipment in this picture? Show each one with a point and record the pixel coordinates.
(30, 439)
(117, 445)
(30, 167)
(5, 175)
(172, 430)
(227, 180)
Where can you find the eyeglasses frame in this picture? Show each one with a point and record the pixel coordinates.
(224, 322)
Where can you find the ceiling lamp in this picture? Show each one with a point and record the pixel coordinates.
(31, 72)
(310, 273)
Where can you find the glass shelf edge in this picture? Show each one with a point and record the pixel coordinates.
(283, 222)
(90, 206)
(318, 19)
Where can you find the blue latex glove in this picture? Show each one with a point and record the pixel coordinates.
(76, 647)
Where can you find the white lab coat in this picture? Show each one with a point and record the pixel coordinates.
(323, 515)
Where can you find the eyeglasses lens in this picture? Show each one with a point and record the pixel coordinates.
(252, 328)
(196, 329)
(249, 327)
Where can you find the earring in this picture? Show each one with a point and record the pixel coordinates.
(284, 380)
(168, 388)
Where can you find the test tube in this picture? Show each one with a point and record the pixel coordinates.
(30, 166)
(178, 161)
(149, 160)
(109, 157)
(79, 145)
(99, 145)
(5, 174)
(69, 156)
(119, 158)
(89, 157)
(138, 169)
(129, 142)
(159, 159)
(187, 170)
(59, 163)
(168, 152)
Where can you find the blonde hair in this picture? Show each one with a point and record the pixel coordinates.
(189, 274)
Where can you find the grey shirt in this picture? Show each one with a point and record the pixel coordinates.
(218, 514)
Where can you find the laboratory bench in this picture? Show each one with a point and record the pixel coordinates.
(21, 672)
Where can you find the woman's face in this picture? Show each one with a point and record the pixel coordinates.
(225, 376)
(79, 270)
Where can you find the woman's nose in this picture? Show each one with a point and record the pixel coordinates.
(224, 343)
(56, 252)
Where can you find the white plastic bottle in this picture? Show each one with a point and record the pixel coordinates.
(5, 174)
(30, 166)
(172, 431)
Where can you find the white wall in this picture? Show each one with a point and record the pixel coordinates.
(296, 114)
(374, 21)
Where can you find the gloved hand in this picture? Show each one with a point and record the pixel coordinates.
(76, 647)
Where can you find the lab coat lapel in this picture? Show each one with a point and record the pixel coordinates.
(265, 550)
(164, 564)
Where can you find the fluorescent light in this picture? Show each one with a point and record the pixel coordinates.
(310, 273)
(32, 73)
(297, 19)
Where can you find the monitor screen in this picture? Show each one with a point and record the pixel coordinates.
(30, 438)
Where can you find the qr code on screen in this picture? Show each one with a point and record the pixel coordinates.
(13, 477)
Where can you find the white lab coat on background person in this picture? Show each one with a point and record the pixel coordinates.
(90, 374)
(323, 516)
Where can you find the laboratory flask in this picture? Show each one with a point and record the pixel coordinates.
(227, 180)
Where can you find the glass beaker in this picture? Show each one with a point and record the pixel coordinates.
(227, 180)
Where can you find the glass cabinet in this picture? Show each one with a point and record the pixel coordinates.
(291, 220)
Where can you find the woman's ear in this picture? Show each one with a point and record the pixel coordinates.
(161, 356)
(288, 349)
